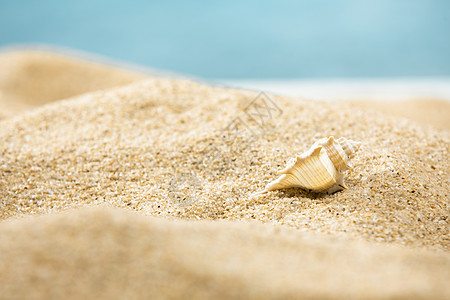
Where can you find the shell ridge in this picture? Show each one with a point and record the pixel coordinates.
(308, 172)
(336, 154)
(290, 164)
(303, 177)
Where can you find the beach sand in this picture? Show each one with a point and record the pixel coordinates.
(179, 161)
(30, 78)
(428, 112)
(114, 254)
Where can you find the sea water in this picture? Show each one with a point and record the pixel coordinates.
(246, 39)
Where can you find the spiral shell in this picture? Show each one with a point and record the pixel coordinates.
(320, 169)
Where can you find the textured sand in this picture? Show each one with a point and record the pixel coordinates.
(167, 148)
(30, 78)
(112, 254)
(144, 145)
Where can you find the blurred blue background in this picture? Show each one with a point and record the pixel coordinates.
(246, 39)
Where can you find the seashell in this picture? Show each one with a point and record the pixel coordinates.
(320, 169)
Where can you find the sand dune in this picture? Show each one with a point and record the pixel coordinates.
(422, 100)
(30, 78)
(177, 149)
(113, 254)
(144, 145)
(428, 112)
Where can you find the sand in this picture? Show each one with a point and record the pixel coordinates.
(421, 100)
(166, 154)
(113, 254)
(427, 112)
(29, 78)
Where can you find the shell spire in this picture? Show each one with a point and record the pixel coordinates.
(320, 169)
(350, 147)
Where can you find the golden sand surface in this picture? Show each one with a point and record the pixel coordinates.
(146, 145)
(29, 78)
(179, 161)
(430, 112)
(114, 254)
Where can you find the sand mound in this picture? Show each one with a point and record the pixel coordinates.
(32, 78)
(171, 148)
(113, 254)
(426, 112)
(180, 150)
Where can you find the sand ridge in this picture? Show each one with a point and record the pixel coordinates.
(30, 78)
(114, 254)
(142, 146)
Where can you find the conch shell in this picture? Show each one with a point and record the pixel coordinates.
(320, 169)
